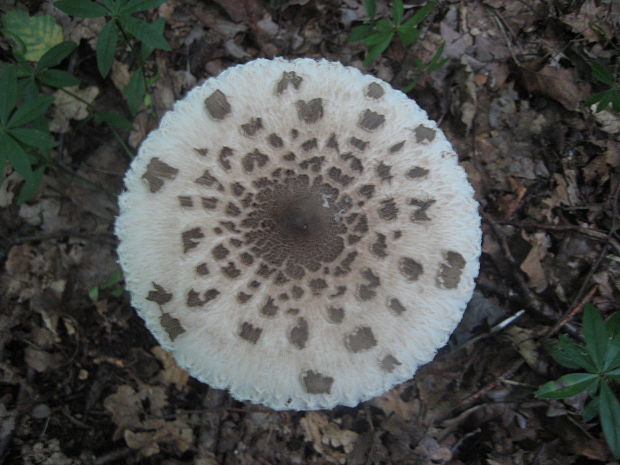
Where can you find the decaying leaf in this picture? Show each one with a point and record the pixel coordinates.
(326, 436)
(532, 265)
(67, 107)
(171, 373)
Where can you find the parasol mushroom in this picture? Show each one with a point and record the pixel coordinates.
(298, 233)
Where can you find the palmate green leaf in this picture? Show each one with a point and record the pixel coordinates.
(609, 413)
(612, 356)
(419, 15)
(590, 411)
(371, 8)
(145, 51)
(570, 355)
(16, 155)
(613, 324)
(135, 91)
(398, 11)
(144, 32)
(567, 386)
(376, 38)
(58, 78)
(106, 47)
(8, 92)
(56, 54)
(34, 137)
(30, 110)
(408, 35)
(601, 73)
(359, 32)
(31, 186)
(82, 8)
(134, 6)
(38, 34)
(383, 25)
(601, 99)
(596, 335)
(378, 49)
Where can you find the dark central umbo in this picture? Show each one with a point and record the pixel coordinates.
(296, 223)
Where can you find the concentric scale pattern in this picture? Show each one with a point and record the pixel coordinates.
(299, 233)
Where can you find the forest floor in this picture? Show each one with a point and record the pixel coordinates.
(84, 382)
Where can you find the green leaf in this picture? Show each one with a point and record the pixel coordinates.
(106, 47)
(58, 78)
(134, 91)
(570, 355)
(398, 11)
(609, 413)
(359, 32)
(8, 92)
(590, 411)
(56, 54)
(140, 5)
(116, 277)
(37, 33)
(113, 119)
(371, 8)
(383, 25)
(81, 8)
(159, 26)
(93, 293)
(420, 15)
(16, 155)
(596, 335)
(377, 50)
(31, 186)
(408, 36)
(376, 38)
(601, 73)
(144, 32)
(435, 62)
(567, 386)
(34, 137)
(612, 356)
(30, 110)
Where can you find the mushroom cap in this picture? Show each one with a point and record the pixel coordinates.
(298, 233)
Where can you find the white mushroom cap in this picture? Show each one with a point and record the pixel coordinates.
(299, 233)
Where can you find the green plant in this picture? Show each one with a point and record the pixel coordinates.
(600, 358)
(122, 24)
(378, 33)
(611, 95)
(25, 140)
(112, 285)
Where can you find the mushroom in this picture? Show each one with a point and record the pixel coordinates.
(298, 233)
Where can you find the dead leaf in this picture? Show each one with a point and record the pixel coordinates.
(524, 340)
(392, 403)
(321, 432)
(125, 406)
(557, 83)
(159, 431)
(67, 107)
(532, 265)
(171, 373)
(609, 121)
(41, 360)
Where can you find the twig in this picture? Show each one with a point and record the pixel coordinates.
(113, 456)
(489, 387)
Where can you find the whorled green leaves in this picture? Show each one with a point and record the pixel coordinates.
(600, 358)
